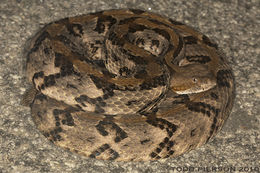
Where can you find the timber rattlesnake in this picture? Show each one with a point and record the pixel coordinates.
(127, 85)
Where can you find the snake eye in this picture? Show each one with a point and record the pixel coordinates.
(194, 80)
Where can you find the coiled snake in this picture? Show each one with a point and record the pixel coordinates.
(127, 85)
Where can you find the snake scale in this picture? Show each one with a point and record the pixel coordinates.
(127, 85)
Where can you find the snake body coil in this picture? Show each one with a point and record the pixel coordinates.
(127, 85)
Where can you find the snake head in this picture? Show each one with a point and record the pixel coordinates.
(192, 78)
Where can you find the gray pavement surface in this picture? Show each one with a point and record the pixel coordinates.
(233, 24)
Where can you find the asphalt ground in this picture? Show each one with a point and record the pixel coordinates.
(233, 24)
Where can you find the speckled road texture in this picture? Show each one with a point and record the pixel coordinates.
(233, 24)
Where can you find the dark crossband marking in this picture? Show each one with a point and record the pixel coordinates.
(203, 108)
(199, 58)
(101, 23)
(39, 41)
(207, 41)
(213, 127)
(224, 77)
(166, 144)
(104, 127)
(190, 40)
(106, 150)
(75, 29)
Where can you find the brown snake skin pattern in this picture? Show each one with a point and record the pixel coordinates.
(127, 85)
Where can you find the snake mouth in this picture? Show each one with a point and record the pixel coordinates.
(189, 89)
(181, 89)
(192, 88)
